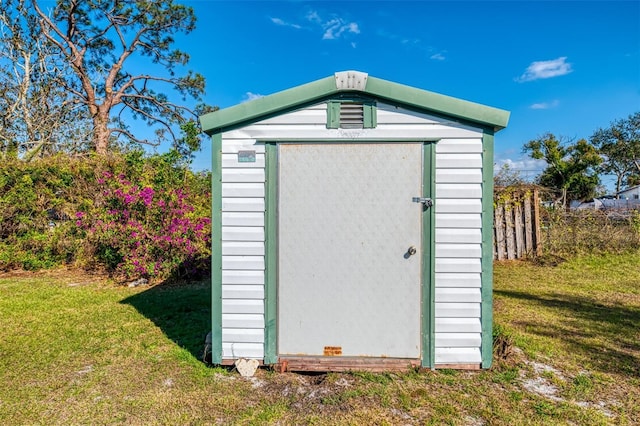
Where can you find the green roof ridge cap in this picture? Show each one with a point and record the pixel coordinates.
(438, 103)
(357, 82)
(267, 105)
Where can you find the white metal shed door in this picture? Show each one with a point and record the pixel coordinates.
(346, 284)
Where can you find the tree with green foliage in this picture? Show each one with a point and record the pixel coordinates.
(571, 167)
(104, 42)
(619, 145)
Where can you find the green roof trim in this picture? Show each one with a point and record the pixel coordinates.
(375, 88)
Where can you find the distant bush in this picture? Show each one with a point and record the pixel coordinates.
(83, 211)
(567, 233)
(37, 199)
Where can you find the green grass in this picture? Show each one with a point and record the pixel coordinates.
(586, 311)
(78, 350)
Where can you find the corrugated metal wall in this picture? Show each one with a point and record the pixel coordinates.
(243, 192)
(458, 250)
(457, 211)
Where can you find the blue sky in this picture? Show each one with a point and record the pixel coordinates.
(562, 67)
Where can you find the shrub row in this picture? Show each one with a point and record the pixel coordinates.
(576, 232)
(133, 215)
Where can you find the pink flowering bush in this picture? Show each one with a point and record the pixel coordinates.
(136, 231)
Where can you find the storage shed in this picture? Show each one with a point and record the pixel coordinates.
(352, 227)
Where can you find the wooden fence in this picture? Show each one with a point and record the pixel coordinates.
(516, 224)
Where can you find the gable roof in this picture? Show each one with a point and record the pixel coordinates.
(354, 83)
(629, 189)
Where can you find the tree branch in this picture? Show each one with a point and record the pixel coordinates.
(133, 138)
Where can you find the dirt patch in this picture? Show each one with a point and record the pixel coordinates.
(305, 393)
(542, 387)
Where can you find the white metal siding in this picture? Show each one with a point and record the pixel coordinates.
(458, 280)
(458, 236)
(457, 205)
(450, 355)
(242, 277)
(458, 223)
(243, 292)
(255, 321)
(458, 325)
(234, 350)
(243, 190)
(242, 248)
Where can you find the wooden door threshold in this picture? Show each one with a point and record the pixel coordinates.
(335, 363)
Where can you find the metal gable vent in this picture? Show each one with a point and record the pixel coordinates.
(351, 115)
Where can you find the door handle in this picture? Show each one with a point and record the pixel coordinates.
(426, 202)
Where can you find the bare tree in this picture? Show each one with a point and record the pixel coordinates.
(37, 116)
(507, 176)
(99, 40)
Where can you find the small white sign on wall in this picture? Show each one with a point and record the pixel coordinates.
(246, 156)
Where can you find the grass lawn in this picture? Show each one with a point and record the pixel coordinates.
(76, 349)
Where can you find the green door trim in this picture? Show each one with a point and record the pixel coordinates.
(486, 313)
(428, 257)
(216, 249)
(271, 255)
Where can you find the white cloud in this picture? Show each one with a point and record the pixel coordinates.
(333, 28)
(337, 26)
(528, 168)
(313, 16)
(280, 22)
(249, 96)
(437, 57)
(545, 105)
(546, 69)
(330, 27)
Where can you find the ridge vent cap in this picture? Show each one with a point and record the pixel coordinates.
(351, 80)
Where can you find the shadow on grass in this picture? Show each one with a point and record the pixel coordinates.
(182, 312)
(607, 335)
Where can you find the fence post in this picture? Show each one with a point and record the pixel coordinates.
(516, 224)
(528, 225)
(536, 221)
(508, 214)
(499, 226)
(519, 234)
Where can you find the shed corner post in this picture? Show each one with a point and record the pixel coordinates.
(216, 249)
(428, 257)
(486, 315)
(271, 255)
